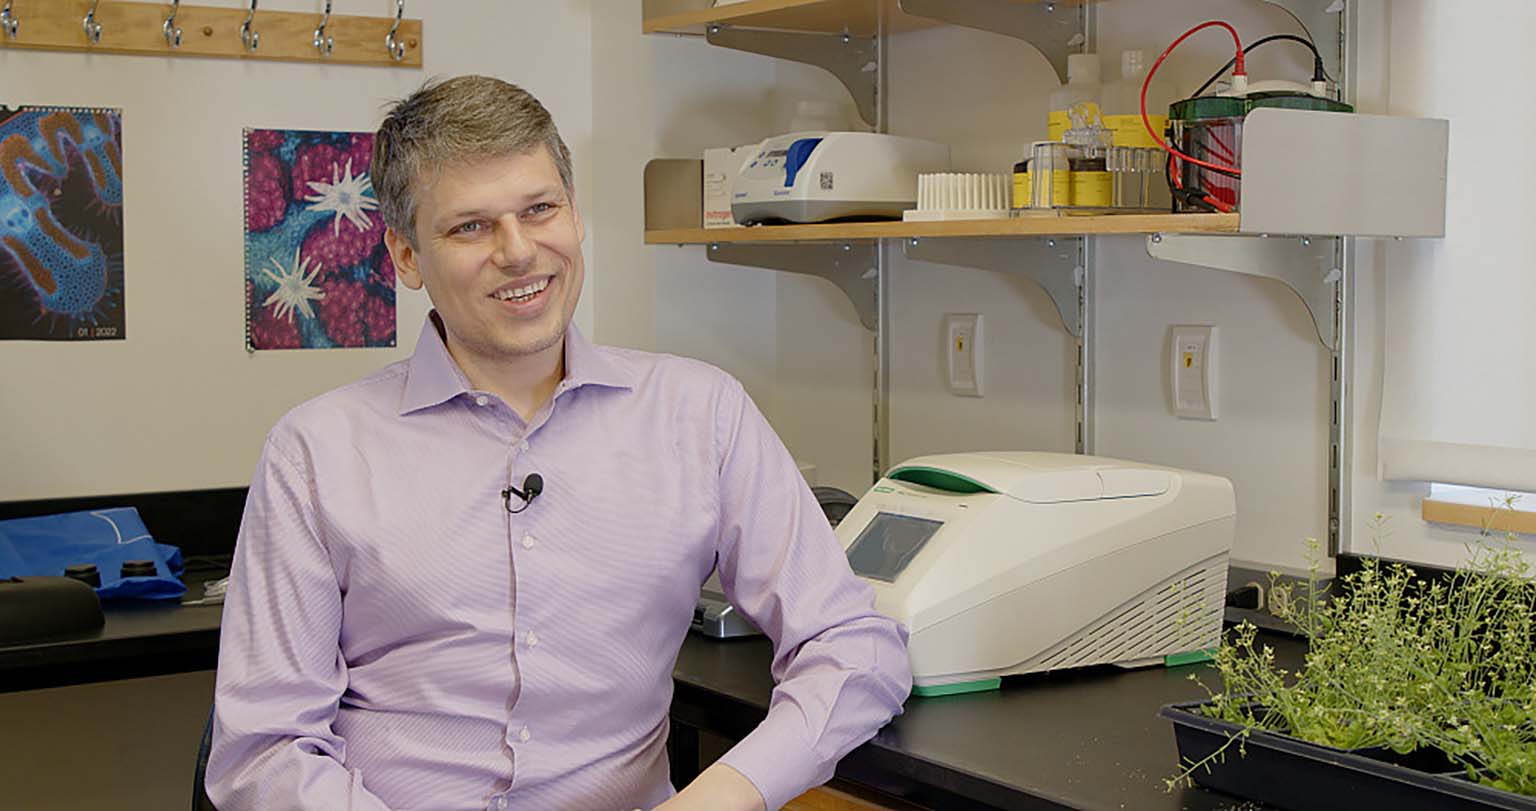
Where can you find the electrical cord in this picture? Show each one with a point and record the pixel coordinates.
(210, 563)
(1195, 198)
(1239, 79)
(1319, 74)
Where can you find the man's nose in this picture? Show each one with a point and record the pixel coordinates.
(514, 245)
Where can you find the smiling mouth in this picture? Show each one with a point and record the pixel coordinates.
(521, 294)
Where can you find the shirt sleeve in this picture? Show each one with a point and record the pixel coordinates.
(841, 667)
(281, 673)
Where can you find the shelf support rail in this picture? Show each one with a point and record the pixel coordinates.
(855, 61)
(851, 265)
(1309, 266)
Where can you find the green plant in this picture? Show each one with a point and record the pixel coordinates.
(1399, 662)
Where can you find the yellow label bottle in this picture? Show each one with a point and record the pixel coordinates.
(1093, 187)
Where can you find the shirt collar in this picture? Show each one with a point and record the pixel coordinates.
(589, 364)
(433, 377)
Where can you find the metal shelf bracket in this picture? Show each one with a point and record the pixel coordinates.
(1055, 29)
(1307, 265)
(852, 266)
(855, 61)
(1054, 263)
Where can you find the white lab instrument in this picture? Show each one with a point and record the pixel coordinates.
(1013, 562)
(819, 176)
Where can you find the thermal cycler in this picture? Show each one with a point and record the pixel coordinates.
(1013, 562)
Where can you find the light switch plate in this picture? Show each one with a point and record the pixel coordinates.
(962, 354)
(1192, 371)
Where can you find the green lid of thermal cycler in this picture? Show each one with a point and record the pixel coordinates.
(1204, 108)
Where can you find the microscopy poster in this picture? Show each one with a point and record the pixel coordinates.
(61, 224)
(317, 274)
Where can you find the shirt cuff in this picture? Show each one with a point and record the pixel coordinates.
(777, 760)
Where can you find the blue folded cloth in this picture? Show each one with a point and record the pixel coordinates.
(44, 545)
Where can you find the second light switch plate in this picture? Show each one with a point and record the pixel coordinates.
(1192, 371)
(962, 354)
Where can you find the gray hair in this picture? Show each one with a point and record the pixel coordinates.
(450, 122)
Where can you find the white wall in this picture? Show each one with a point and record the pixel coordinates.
(1392, 34)
(179, 404)
(985, 95)
(667, 96)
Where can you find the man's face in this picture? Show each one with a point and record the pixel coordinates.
(499, 250)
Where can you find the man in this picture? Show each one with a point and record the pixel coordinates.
(404, 631)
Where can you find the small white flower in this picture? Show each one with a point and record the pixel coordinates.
(346, 195)
(294, 290)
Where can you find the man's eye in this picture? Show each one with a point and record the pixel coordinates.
(468, 228)
(540, 208)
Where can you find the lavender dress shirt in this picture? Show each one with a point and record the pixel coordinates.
(393, 638)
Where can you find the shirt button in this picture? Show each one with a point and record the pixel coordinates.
(533, 640)
(523, 446)
(482, 400)
(524, 735)
(527, 541)
(501, 803)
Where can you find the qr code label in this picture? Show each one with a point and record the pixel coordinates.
(826, 181)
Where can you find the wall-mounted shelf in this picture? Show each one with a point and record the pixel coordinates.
(1033, 225)
(1305, 173)
(1313, 176)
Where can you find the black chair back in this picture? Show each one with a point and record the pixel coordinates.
(200, 801)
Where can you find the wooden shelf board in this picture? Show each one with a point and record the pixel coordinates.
(1480, 517)
(1052, 224)
(859, 17)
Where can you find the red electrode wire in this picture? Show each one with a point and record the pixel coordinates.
(1239, 68)
(1178, 183)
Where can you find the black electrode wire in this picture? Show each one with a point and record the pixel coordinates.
(1318, 73)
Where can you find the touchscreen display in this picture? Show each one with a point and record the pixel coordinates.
(890, 542)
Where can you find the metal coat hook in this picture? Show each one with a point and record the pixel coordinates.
(248, 36)
(92, 28)
(396, 47)
(8, 21)
(169, 27)
(324, 43)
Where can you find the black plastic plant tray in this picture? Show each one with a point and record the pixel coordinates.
(1292, 774)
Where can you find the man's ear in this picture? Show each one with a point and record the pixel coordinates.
(404, 257)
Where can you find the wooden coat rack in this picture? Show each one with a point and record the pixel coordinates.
(238, 33)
